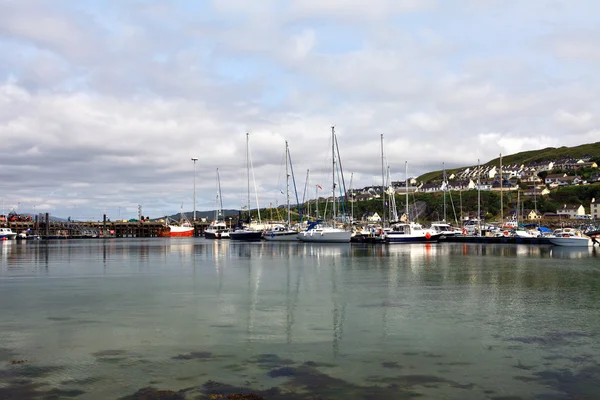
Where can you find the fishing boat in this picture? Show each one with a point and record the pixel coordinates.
(183, 228)
(244, 231)
(570, 237)
(284, 232)
(319, 232)
(217, 229)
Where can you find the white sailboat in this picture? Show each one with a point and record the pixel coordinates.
(318, 231)
(284, 232)
(218, 229)
(246, 232)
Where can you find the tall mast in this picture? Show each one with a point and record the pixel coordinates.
(352, 197)
(220, 199)
(306, 201)
(478, 197)
(501, 194)
(248, 171)
(333, 169)
(406, 187)
(382, 186)
(287, 177)
(444, 184)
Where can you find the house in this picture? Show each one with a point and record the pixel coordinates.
(571, 211)
(595, 209)
(534, 190)
(430, 187)
(553, 178)
(569, 180)
(532, 215)
(371, 217)
(463, 184)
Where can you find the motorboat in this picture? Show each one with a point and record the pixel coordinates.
(570, 237)
(217, 230)
(7, 234)
(411, 232)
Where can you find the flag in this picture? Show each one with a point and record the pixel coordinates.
(319, 186)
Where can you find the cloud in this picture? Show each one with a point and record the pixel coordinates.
(103, 105)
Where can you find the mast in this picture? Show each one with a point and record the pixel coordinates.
(393, 216)
(306, 202)
(406, 187)
(248, 172)
(478, 198)
(501, 194)
(518, 206)
(219, 198)
(382, 186)
(352, 196)
(287, 184)
(444, 183)
(333, 170)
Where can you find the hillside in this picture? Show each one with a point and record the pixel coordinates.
(524, 157)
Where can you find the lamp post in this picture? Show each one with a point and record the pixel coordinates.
(194, 159)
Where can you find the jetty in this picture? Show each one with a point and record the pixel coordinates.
(42, 226)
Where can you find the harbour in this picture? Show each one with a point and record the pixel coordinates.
(197, 318)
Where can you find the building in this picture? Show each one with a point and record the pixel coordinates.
(595, 209)
(571, 211)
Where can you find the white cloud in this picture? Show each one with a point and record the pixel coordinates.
(103, 108)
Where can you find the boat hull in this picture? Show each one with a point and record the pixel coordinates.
(288, 236)
(325, 236)
(571, 241)
(216, 235)
(404, 238)
(246, 236)
(181, 231)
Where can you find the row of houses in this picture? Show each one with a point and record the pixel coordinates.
(525, 172)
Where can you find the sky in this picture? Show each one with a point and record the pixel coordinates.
(103, 104)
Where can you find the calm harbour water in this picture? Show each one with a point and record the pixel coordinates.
(102, 319)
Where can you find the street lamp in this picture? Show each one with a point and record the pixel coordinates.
(194, 159)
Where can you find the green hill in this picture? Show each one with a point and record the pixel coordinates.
(524, 157)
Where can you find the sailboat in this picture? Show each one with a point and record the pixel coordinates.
(317, 231)
(245, 232)
(218, 228)
(408, 231)
(281, 232)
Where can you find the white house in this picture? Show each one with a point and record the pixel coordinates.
(571, 211)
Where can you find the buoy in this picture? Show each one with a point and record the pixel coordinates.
(464, 232)
(505, 233)
(427, 235)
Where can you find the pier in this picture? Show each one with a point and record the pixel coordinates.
(42, 226)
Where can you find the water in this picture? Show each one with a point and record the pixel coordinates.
(98, 319)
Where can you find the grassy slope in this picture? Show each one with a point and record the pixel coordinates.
(549, 153)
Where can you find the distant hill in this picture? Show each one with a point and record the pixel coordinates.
(549, 153)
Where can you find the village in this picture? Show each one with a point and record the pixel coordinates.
(529, 181)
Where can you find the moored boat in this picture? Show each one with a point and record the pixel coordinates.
(7, 234)
(411, 233)
(324, 234)
(570, 237)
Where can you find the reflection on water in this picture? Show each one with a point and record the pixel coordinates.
(108, 317)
